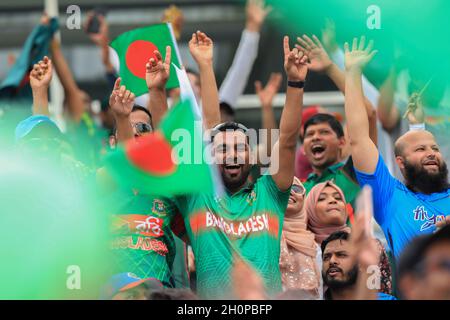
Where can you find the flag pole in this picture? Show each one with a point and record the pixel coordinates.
(56, 89)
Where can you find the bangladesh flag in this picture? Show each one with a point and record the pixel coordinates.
(169, 161)
(134, 48)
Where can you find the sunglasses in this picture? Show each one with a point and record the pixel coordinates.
(298, 189)
(142, 127)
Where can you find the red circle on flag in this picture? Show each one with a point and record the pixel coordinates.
(137, 56)
(151, 153)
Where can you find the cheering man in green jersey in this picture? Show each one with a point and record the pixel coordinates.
(248, 219)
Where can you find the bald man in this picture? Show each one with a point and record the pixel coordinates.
(407, 210)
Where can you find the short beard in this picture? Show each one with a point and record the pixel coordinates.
(333, 284)
(237, 184)
(418, 179)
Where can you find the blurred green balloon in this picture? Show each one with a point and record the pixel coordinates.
(54, 233)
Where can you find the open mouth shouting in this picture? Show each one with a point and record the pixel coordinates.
(318, 151)
(233, 169)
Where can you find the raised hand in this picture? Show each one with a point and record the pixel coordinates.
(294, 62)
(319, 60)
(102, 37)
(158, 71)
(329, 36)
(201, 48)
(41, 74)
(267, 93)
(256, 12)
(359, 56)
(121, 100)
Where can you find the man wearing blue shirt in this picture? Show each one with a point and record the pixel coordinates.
(403, 211)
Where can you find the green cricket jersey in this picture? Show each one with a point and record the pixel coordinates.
(142, 241)
(249, 221)
(343, 175)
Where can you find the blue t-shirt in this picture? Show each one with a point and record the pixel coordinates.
(385, 296)
(400, 212)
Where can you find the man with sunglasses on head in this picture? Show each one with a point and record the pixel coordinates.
(247, 220)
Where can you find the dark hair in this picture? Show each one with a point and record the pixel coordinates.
(227, 109)
(136, 107)
(414, 253)
(325, 118)
(227, 126)
(338, 235)
(189, 70)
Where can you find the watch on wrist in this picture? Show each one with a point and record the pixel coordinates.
(296, 84)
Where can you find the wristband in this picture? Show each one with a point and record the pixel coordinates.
(417, 127)
(296, 84)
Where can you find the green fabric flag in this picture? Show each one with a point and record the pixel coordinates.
(167, 162)
(16, 85)
(134, 48)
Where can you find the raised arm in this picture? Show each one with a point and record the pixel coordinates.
(237, 76)
(121, 103)
(101, 39)
(201, 48)
(40, 78)
(364, 152)
(283, 155)
(157, 74)
(321, 62)
(388, 113)
(73, 94)
(266, 96)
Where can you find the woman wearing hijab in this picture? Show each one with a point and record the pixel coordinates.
(326, 211)
(300, 259)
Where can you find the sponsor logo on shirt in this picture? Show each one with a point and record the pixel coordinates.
(141, 243)
(144, 225)
(256, 224)
(421, 214)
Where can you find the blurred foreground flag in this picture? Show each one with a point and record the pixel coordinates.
(16, 85)
(170, 161)
(134, 48)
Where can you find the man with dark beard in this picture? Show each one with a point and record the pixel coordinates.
(340, 270)
(247, 220)
(404, 211)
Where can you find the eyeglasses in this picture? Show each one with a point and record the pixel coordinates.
(142, 127)
(227, 126)
(298, 189)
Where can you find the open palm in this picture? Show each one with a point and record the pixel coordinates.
(319, 60)
(359, 56)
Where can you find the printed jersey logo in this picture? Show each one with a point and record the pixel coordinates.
(235, 228)
(251, 197)
(158, 208)
(139, 224)
(421, 214)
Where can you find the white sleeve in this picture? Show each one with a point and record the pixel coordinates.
(370, 91)
(237, 76)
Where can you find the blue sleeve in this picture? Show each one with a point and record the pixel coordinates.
(383, 186)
